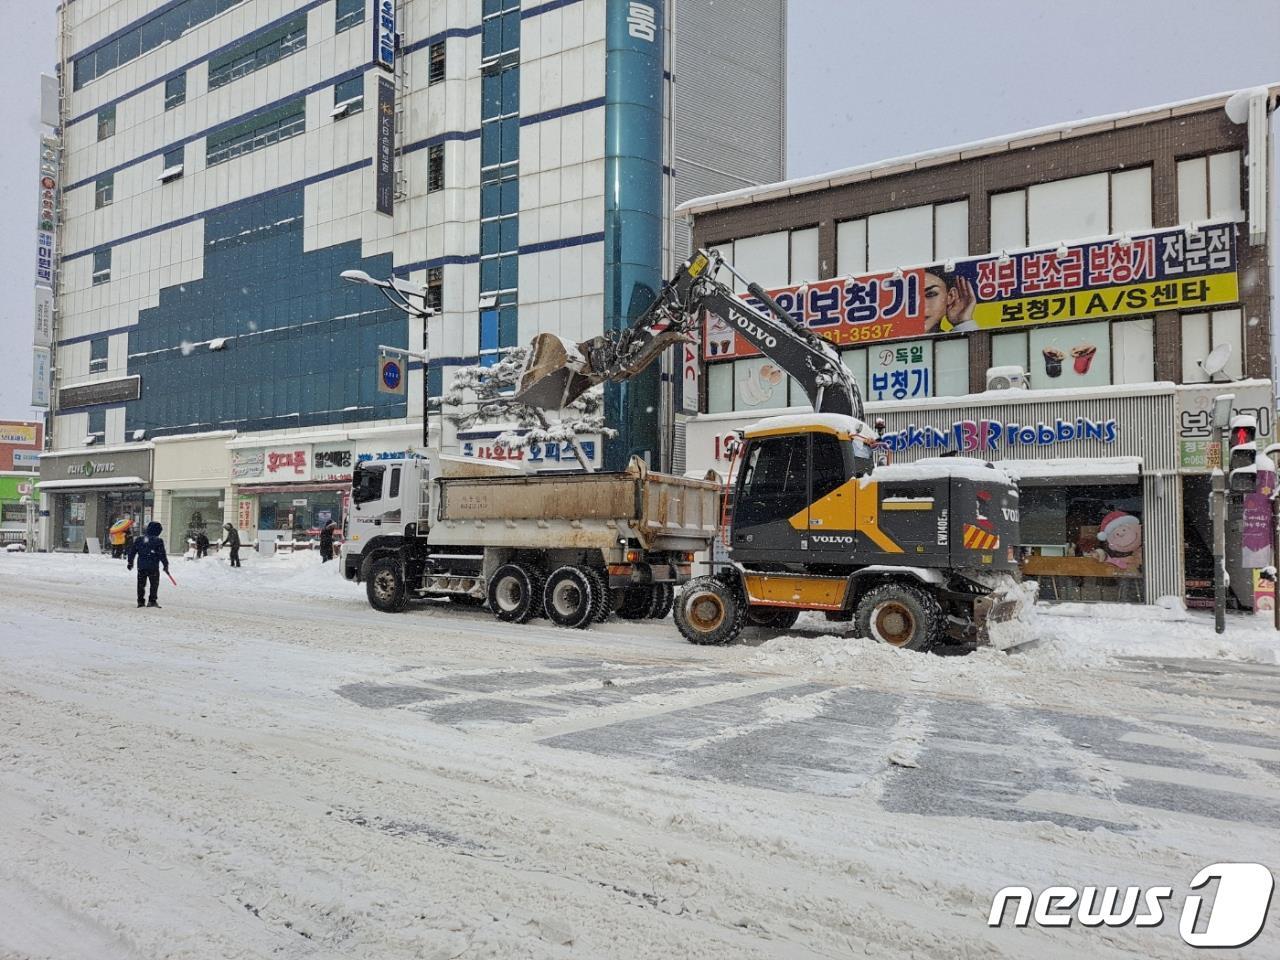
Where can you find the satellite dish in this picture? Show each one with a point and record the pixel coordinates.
(1217, 360)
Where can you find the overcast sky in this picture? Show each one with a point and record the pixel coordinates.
(869, 79)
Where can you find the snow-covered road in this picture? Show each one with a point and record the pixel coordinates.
(267, 768)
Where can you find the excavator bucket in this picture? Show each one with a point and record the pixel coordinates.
(555, 374)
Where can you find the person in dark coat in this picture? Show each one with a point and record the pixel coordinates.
(232, 540)
(326, 541)
(148, 552)
(202, 545)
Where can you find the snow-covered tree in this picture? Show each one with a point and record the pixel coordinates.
(482, 395)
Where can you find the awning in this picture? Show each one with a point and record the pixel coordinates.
(1073, 471)
(97, 483)
(335, 485)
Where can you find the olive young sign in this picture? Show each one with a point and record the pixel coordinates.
(1113, 277)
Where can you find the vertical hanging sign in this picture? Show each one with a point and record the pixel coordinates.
(385, 148)
(47, 217)
(384, 34)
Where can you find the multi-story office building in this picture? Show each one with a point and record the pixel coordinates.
(1121, 267)
(223, 161)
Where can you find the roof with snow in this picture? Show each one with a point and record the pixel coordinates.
(965, 151)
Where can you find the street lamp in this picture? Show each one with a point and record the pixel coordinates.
(1222, 405)
(401, 293)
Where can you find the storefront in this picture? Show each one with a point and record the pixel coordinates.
(15, 489)
(85, 491)
(1110, 477)
(191, 485)
(291, 490)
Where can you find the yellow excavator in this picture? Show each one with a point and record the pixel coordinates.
(918, 554)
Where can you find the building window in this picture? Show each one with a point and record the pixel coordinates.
(435, 167)
(1201, 333)
(348, 96)
(1095, 205)
(259, 52)
(168, 23)
(98, 354)
(903, 238)
(348, 13)
(101, 266)
(97, 426)
(501, 27)
(173, 164)
(1209, 188)
(435, 288)
(257, 132)
(435, 70)
(1065, 355)
(104, 191)
(175, 91)
(107, 122)
(773, 260)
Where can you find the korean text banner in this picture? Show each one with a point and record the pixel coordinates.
(1172, 269)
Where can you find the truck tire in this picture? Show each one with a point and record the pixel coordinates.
(601, 596)
(385, 586)
(661, 599)
(901, 615)
(635, 603)
(772, 618)
(570, 597)
(709, 611)
(515, 593)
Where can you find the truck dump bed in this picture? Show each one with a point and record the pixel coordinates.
(660, 511)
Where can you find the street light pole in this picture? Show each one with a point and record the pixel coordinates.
(399, 293)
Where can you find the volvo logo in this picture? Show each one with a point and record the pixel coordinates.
(752, 329)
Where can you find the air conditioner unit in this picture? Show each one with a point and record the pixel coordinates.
(1008, 378)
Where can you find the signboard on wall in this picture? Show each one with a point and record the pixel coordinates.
(246, 465)
(120, 390)
(43, 335)
(21, 434)
(331, 461)
(1171, 269)
(1197, 444)
(288, 463)
(384, 148)
(384, 34)
(47, 217)
(40, 367)
(483, 445)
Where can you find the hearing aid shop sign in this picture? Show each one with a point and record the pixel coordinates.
(1183, 267)
(981, 436)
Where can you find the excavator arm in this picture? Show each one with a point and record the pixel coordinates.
(557, 371)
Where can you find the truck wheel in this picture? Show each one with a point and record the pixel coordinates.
(385, 586)
(772, 618)
(901, 615)
(635, 603)
(661, 599)
(570, 598)
(709, 611)
(601, 596)
(515, 593)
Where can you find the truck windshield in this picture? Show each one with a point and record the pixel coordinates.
(366, 483)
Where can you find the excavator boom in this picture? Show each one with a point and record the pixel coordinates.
(558, 371)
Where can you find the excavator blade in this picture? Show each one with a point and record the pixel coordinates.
(555, 374)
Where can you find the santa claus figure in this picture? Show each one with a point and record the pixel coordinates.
(1120, 534)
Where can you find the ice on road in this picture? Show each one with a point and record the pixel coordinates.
(266, 767)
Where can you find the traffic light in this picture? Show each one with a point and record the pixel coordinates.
(1244, 451)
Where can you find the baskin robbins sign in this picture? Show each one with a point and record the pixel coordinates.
(976, 436)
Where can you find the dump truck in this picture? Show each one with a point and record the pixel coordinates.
(574, 547)
(918, 554)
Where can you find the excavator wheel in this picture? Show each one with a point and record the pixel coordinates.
(901, 615)
(515, 593)
(772, 618)
(570, 596)
(709, 611)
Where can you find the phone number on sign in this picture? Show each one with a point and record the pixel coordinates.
(875, 331)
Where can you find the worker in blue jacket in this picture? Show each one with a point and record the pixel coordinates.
(148, 551)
